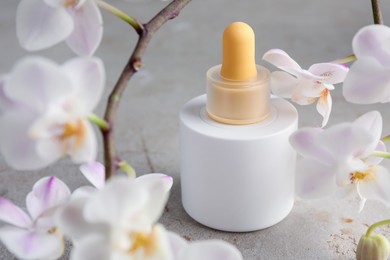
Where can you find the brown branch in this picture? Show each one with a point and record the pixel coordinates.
(133, 65)
(376, 11)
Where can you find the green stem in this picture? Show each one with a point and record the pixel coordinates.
(346, 59)
(375, 225)
(124, 166)
(100, 122)
(122, 15)
(381, 154)
(386, 138)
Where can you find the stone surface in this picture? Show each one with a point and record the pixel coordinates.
(175, 65)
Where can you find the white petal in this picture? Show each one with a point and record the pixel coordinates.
(84, 148)
(344, 140)
(88, 77)
(210, 250)
(47, 193)
(50, 150)
(331, 73)
(39, 25)
(18, 149)
(324, 106)
(377, 188)
(283, 84)
(367, 82)
(84, 192)
(119, 201)
(299, 97)
(37, 82)
(71, 221)
(282, 60)
(370, 41)
(372, 122)
(314, 179)
(373, 160)
(31, 245)
(88, 29)
(93, 247)
(177, 244)
(158, 186)
(12, 214)
(95, 173)
(305, 142)
(5, 102)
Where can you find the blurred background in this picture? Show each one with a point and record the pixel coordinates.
(176, 62)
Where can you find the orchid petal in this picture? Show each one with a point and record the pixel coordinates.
(305, 142)
(37, 82)
(84, 192)
(282, 60)
(324, 106)
(314, 179)
(370, 41)
(47, 194)
(95, 173)
(92, 247)
(88, 30)
(88, 77)
(372, 122)
(158, 186)
(71, 220)
(344, 140)
(18, 149)
(117, 202)
(177, 244)
(367, 82)
(331, 73)
(50, 150)
(283, 84)
(299, 98)
(211, 250)
(12, 214)
(5, 102)
(377, 187)
(345, 168)
(84, 148)
(39, 25)
(31, 245)
(373, 160)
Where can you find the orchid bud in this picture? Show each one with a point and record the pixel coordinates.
(376, 247)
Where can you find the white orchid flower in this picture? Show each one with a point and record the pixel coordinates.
(339, 160)
(368, 81)
(35, 236)
(43, 23)
(46, 115)
(207, 249)
(305, 87)
(118, 220)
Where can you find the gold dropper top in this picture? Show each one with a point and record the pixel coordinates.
(238, 58)
(238, 90)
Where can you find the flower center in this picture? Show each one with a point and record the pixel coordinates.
(141, 240)
(359, 176)
(69, 3)
(73, 134)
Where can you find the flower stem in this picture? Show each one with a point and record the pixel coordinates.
(376, 11)
(346, 59)
(375, 225)
(122, 15)
(386, 138)
(100, 122)
(133, 65)
(381, 154)
(124, 166)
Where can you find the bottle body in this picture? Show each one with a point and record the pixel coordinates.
(237, 177)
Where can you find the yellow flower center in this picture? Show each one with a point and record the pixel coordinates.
(359, 176)
(73, 134)
(141, 240)
(69, 3)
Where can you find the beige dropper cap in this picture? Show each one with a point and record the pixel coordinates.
(238, 90)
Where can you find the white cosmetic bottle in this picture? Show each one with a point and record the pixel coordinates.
(237, 166)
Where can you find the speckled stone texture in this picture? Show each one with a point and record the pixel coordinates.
(174, 72)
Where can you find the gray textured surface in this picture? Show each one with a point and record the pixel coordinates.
(174, 72)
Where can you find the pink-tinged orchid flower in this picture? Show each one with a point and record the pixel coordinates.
(368, 81)
(340, 159)
(45, 117)
(43, 23)
(35, 236)
(305, 87)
